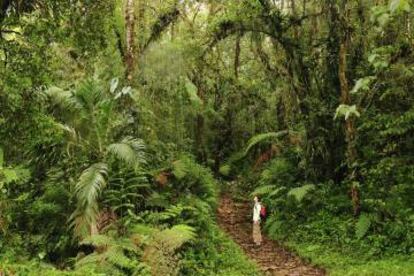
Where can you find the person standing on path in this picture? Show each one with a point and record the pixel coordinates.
(257, 235)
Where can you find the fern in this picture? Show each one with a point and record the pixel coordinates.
(263, 137)
(195, 179)
(264, 190)
(173, 212)
(179, 169)
(160, 255)
(253, 142)
(110, 252)
(176, 236)
(127, 191)
(98, 241)
(363, 225)
(300, 192)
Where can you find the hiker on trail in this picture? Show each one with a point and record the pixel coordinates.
(257, 235)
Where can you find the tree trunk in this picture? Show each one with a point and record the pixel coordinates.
(350, 131)
(129, 30)
(237, 56)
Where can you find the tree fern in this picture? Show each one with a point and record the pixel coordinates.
(300, 192)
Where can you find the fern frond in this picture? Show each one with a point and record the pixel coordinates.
(363, 225)
(268, 190)
(264, 190)
(262, 137)
(300, 192)
(98, 241)
(116, 256)
(144, 230)
(176, 236)
(179, 169)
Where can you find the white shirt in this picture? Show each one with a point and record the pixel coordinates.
(256, 211)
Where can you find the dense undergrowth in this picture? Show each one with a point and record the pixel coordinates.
(316, 221)
(117, 117)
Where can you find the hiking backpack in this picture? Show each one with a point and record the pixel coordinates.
(263, 212)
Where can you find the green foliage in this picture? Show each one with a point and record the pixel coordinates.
(129, 150)
(399, 6)
(300, 192)
(347, 111)
(195, 179)
(126, 191)
(83, 142)
(362, 226)
(91, 183)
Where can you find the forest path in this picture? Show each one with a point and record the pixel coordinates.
(235, 219)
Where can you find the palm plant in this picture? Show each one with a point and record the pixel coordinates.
(89, 118)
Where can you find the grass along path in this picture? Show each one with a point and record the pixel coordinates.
(235, 219)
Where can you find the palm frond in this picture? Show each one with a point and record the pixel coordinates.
(60, 98)
(129, 150)
(90, 184)
(88, 94)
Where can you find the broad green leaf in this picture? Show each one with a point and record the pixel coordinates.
(346, 111)
(362, 84)
(114, 84)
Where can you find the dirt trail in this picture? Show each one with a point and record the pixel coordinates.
(235, 219)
